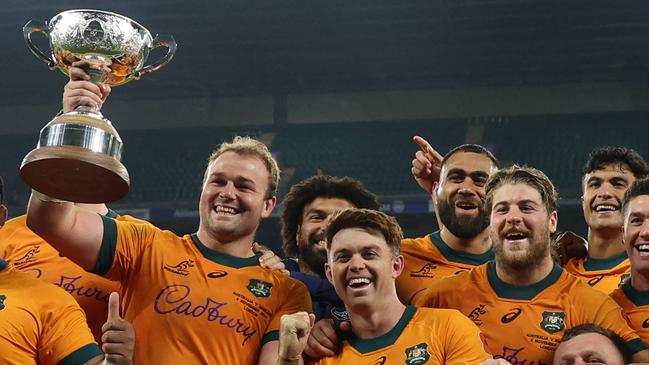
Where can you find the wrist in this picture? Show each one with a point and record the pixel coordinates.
(289, 360)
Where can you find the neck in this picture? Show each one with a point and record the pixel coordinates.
(475, 245)
(377, 319)
(639, 281)
(604, 243)
(526, 276)
(241, 247)
(306, 269)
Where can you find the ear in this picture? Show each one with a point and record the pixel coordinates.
(434, 191)
(4, 212)
(328, 273)
(552, 223)
(269, 205)
(297, 233)
(397, 266)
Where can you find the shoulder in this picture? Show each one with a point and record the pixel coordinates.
(450, 288)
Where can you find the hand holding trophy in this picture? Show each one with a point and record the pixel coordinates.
(78, 154)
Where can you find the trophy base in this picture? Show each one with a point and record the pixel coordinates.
(75, 174)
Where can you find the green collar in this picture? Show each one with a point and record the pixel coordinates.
(111, 214)
(459, 257)
(591, 264)
(638, 297)
(223, 259)
(508, 291)
(365, 346)
(3, 264)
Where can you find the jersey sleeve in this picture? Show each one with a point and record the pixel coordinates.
(122, 246)
(604, 312)
(465, 344)
(294, 298)
(65, 336)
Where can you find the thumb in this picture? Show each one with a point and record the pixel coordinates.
(345, 325)
(113, 307)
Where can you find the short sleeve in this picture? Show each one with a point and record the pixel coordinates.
(122, 246)
(294, 298)
(65, 336)
(604, 312)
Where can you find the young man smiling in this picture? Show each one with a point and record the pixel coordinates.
(363, 262)
(633, 294)
(607, 175)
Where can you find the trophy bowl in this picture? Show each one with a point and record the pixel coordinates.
(78, 156)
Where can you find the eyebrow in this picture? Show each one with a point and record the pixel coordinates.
(238, 179)
(477, 173)
(524, 201)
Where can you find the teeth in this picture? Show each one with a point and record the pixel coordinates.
(605, 208)
(643, 248)
(226, 210)
(515, 236)
(357, 281)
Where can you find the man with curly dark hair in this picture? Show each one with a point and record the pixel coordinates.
(306, 210)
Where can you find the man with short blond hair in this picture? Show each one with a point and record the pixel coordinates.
(199, 298)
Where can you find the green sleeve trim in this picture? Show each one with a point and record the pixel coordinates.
(81, 355)
(635, 345)
(270, 336)
(108, 246)
(111, 214)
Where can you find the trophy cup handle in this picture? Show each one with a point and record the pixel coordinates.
(33, 26)
(161, 40)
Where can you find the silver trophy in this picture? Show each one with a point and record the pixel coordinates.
(78, 154)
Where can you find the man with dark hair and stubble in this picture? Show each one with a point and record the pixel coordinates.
(306, 211)
(607, 175)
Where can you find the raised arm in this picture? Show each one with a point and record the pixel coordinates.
(75, 232)
(426, 165)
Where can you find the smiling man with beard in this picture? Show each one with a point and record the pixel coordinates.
(306, 211)
(458, 193)
(523, 302)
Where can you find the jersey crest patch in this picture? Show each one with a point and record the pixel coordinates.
(553, 322)
(260, 289)
(339, 314)
(417, 354)
(2, 302)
